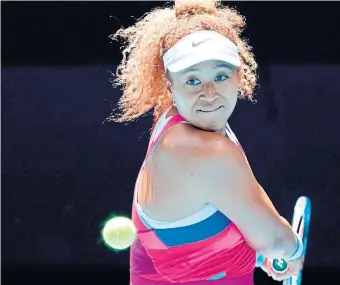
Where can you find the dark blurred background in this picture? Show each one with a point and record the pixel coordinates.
(65, 170)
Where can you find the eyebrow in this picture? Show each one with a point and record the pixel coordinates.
(225, 65)
(192, 69)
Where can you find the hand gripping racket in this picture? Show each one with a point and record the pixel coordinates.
(300, 224)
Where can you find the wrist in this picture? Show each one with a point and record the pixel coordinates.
(298, 252)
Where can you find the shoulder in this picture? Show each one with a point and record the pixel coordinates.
(216, 165)
(187, 142)
(208, 156)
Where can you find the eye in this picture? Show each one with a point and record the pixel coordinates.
(221, 78)
(193, 82)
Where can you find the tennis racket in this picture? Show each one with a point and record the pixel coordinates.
(300, 224)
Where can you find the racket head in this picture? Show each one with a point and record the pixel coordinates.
(300, 224)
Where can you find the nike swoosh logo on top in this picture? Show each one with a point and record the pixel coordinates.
(195, 44)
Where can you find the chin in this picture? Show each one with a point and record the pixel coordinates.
(214, 126)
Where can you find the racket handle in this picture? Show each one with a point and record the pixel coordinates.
(278, 265)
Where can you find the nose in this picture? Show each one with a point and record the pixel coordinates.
(209, 92)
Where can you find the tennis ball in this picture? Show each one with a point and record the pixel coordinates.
(119, 233)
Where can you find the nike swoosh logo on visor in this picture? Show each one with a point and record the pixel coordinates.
(195, 44)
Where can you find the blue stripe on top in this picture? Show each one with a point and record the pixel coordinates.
(207, 228)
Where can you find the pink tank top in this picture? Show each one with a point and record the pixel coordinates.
(211, 251)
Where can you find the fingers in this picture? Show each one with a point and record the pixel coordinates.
(279, 276)
(293, 272)
(267, 267)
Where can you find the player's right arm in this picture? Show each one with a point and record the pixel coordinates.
(226, 181)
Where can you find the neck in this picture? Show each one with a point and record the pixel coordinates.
(173, 111)
(222, 132)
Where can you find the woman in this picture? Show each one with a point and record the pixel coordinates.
(200, 214)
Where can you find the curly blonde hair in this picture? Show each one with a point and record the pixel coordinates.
(141, 71)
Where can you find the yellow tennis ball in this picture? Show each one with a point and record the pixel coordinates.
(119, 233)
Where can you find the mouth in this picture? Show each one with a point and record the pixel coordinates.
(210, 109)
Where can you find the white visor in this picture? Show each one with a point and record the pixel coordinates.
(198, 47)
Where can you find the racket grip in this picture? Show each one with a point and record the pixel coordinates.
(278, 265)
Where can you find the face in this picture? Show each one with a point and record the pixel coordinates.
(205, 94)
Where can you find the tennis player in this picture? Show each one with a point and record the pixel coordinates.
(201, 215)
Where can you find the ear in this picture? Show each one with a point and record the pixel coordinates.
(169, 84)
(238, 76)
